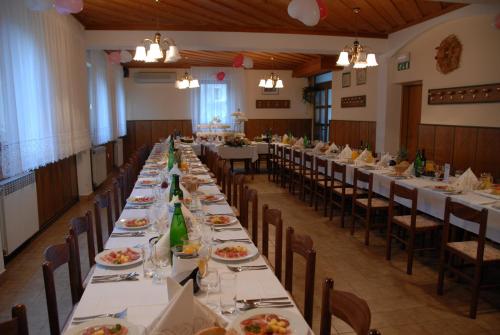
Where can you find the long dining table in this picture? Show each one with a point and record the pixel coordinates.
(431, 200)
(144, 299)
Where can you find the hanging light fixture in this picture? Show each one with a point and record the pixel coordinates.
(187, 81)
(271, 81)
(358, 54)
(157, 48)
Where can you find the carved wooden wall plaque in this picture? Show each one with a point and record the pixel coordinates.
(272, 104)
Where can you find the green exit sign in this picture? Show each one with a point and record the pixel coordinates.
(404, 65)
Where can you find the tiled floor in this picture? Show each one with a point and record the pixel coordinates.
(400, 304)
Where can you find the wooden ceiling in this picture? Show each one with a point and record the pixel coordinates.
(378, 18)
(261, 60)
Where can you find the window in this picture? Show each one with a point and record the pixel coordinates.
(213, 102)
(322, 106)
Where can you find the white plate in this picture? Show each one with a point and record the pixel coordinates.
(252, 251)
(232, 220)
(214, 198)
(100, 261)
(78, 330)
(132, 201)
(298, 325)
(121, 224)
(148, 182)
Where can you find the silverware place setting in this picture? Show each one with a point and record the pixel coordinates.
(247, 305)
(246, 268)
(242, 240)
(118, 315)
(227, 229)
(114, 279)
(131, 234)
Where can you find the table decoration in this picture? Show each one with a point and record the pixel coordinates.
(466, 182)
(346, 153)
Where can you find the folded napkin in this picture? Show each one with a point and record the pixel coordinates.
(182, 267)
(410, 170)
(299, 143)
(317, 147)
(384, 160)
(184, 314)
(332, 148)
(466, 182)
(346, 153)
(162, 248)
(362, 158)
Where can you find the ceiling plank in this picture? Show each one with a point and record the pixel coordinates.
(316, 66)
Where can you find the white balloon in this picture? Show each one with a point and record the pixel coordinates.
(294, 8)
(125, 56)
(247, 62)
(311, 15)
(39, 5)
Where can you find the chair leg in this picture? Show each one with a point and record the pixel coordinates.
(326, 199)
(368, 226)
(342, 212)
(353, 220)
(388, 247)
(442, 262)
(311, 198)
(410, 251)
(475, 292)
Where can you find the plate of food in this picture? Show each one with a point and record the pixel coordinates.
(212, 197)
(133, 223)
(140, 200)
(105, 326)
(221, 220)
(198, 171)
(269, 321)
(149, 173)
(119, 257)
(233, 251)
(148, 182)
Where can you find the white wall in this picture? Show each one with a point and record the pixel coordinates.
(165, 102)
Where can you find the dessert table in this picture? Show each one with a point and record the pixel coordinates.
(144, 299)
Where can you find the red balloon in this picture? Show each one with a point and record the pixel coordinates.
(497, 21)
(323, 9)
(238, 60)
(114, 57)
(220, 76)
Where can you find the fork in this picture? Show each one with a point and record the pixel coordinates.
(114, 279)
(242, 240)
(248, 306)
(118, 315)
(224, 229)
(247, 268)
(123, 275)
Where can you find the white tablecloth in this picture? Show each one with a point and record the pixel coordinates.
(145, 300)
(227, 152)
(262, 147)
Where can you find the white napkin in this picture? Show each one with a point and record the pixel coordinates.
(162, 247)
(384, 160)
(184, 314)
(299, 143)
(362, 157)
(182, 267)
(410, 170)
(175, 170)
(332, 148)
(317, 147)
(466, 182)
(346, 153)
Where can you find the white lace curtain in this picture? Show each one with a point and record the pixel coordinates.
(216, 97)
(43, 88)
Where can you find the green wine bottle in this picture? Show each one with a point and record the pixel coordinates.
(175, 189)
(178, 229)
(171, 154)
(417, 164)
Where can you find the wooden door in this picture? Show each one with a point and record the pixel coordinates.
(411, 108)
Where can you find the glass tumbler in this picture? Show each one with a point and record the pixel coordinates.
(227, 292)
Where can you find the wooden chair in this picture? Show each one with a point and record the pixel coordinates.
(321, 184)
(238, 189)
(83, 225)
(18, 325)
(296, 171)
(117, 206)
(227, 186)
(272, 162)
(102, 201)
(56, 256)
(279, 164)
(473, 253)
(303, 246)
(370, 206)
(286, 168)
(346, 306)
(340, 192)
(273, 217)
(307, 177)
(121, 178)
(250, 200)
(413, 224)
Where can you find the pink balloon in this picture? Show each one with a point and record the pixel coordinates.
(238, 60)
(67, 7)
(114, 57)
(497, 21)
(220, 76)
(323, 9)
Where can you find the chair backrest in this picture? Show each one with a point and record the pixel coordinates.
(363, 177)
(346, 306)
(303, 246)
(219, 172)
(238, 188)
(273, 217)
(56, 256)
(287, 156)
(320, 168)
(397, 190)
(250, 204)
(228, 181)
(82, 225)
(469, 214)
(102, 201)
(297, 158)
(18, 325)
(116, 198)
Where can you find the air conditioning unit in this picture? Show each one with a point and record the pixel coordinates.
(99, 171)
(155, 77)
(118, 152)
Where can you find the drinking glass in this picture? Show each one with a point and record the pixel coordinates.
(227, 292)
(209, 282)
(147, 263)
(161, 260)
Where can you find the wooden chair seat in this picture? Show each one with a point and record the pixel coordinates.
(376, 202)
(421, 222)
(348, 191)
(469, 249)
(18, 325)
(324, 183)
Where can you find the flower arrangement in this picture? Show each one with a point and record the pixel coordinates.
(235, 141)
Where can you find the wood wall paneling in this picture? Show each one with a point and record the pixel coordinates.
(487, 155)
(298, 127)
(57, 189)
(443, 147)
(426, 140)
(464, 147)
(344, 132)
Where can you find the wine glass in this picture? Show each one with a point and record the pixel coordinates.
(209, 282)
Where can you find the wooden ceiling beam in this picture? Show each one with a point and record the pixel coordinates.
(316, 66)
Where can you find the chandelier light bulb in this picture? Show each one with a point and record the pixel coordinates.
(194, 83)
(149, 58)
(269, 83)
(172, 54)
(155, 51)
(371, 60)
(279, 84)
(343, 59)
(140, 53)
(262, 83)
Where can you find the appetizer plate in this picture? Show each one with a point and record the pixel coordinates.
(233, 251)
(92, 327)
(105, 257)
(289, 322)
(148, 182)
(221, 220)
(141, 200)
(133, 223)
(212, 198)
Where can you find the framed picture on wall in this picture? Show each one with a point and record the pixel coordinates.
(346, 79)
(270, 91)
(360, 76)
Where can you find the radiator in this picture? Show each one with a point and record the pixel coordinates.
(99, 171)
(18, 211)
(119, 152)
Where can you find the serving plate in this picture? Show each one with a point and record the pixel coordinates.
(251, 252)
(122, 224)
(228, 218)
(99, 258)
(297, 324)
(81, 328)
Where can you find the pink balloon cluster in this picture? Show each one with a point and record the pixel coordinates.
(243, 61)
(67, 7)
(114, 57)
(309, 12)
(220, 76)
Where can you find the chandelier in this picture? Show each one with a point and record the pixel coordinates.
(272, 81)
(360, 58)
(157, 49)
(187, 81)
